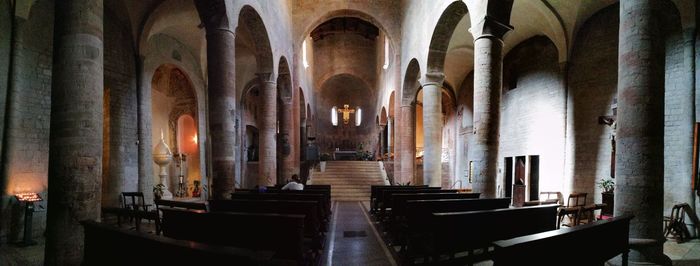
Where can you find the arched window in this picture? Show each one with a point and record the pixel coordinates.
(303, 54)
(386, 53)
(358, 116)
(334, 116)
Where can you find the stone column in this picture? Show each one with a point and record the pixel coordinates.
(640, 126)
(75, 158)
(267, 171)
(432, 129)
(408, 143)
(221, 65)
(286, 124)
(382, 140)
(488, 77)
(145, 144)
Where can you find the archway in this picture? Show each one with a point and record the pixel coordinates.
(174, 117)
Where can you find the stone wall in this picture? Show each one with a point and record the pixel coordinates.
(679, 120)
(28, 119)
(121, 172)
(592, 80)
(533, 110)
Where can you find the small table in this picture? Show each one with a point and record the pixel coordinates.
(347, 155)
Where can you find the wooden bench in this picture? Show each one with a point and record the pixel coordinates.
(387, 200)
(399, 200)
(313, 227)
(593, 243)
(281, 233)
(455, 232)
(323, 201)
(106, 245)
(376, 191)
(417, 225)
(190, 205)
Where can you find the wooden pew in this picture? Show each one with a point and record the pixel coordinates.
(312, 222)
(376, 194)
(454, 232)
(398, 201)
(595, 243)
(387, 200)
(281, 233)
(106, 245)
(190, 205)
(325, 210)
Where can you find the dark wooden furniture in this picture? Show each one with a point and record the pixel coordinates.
(106, 245)
(133, 215)
(281, 233)
(313, 226)
(675, 224)
(134, 201)
(322, 200)
(417, 226)
(190, 205)
(594, 244)
(455, 232)
(386, 200)
(376, 193)
(609, 201)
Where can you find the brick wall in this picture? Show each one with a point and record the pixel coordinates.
(533, 112)
(679, 119)
(121, 173)
(592, 79)
(28, 118)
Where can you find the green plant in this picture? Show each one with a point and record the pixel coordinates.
(325, 157)
(158, 191)
(607, 184)
(404, 184)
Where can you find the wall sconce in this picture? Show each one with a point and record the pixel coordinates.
(28, 198)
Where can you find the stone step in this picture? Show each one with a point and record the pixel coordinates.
(350, 199)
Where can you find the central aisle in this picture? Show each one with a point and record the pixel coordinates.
(352, 239)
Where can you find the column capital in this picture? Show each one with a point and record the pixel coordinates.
(212, 13)
(266, 77)
(434, 78)
(490, 27)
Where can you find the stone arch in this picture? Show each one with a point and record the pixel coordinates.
(411, 83)
(550, 24)
(394, 45)
(382, 117)
(392, 98)
(284, 81)
(443, 34)
(250, 18)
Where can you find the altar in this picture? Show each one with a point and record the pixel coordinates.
(344, 155)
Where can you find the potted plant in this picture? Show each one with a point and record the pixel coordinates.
(608, 186)
(324, 157)
(158, 191)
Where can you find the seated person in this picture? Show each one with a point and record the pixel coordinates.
(295, 184)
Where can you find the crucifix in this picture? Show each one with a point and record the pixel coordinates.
(346, 111)
(610, 121)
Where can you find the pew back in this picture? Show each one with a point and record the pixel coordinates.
(597, 242)
(463, 231)
(310, 209)
(106, 245)
(281, 233)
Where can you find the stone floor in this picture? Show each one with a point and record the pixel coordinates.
(351, 240)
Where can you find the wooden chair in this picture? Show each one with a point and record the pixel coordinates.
(675, 224)
(548, 197)
(576, 200)
(137, 209)
(134, 201)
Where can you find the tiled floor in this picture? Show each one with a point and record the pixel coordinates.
(352, 240)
